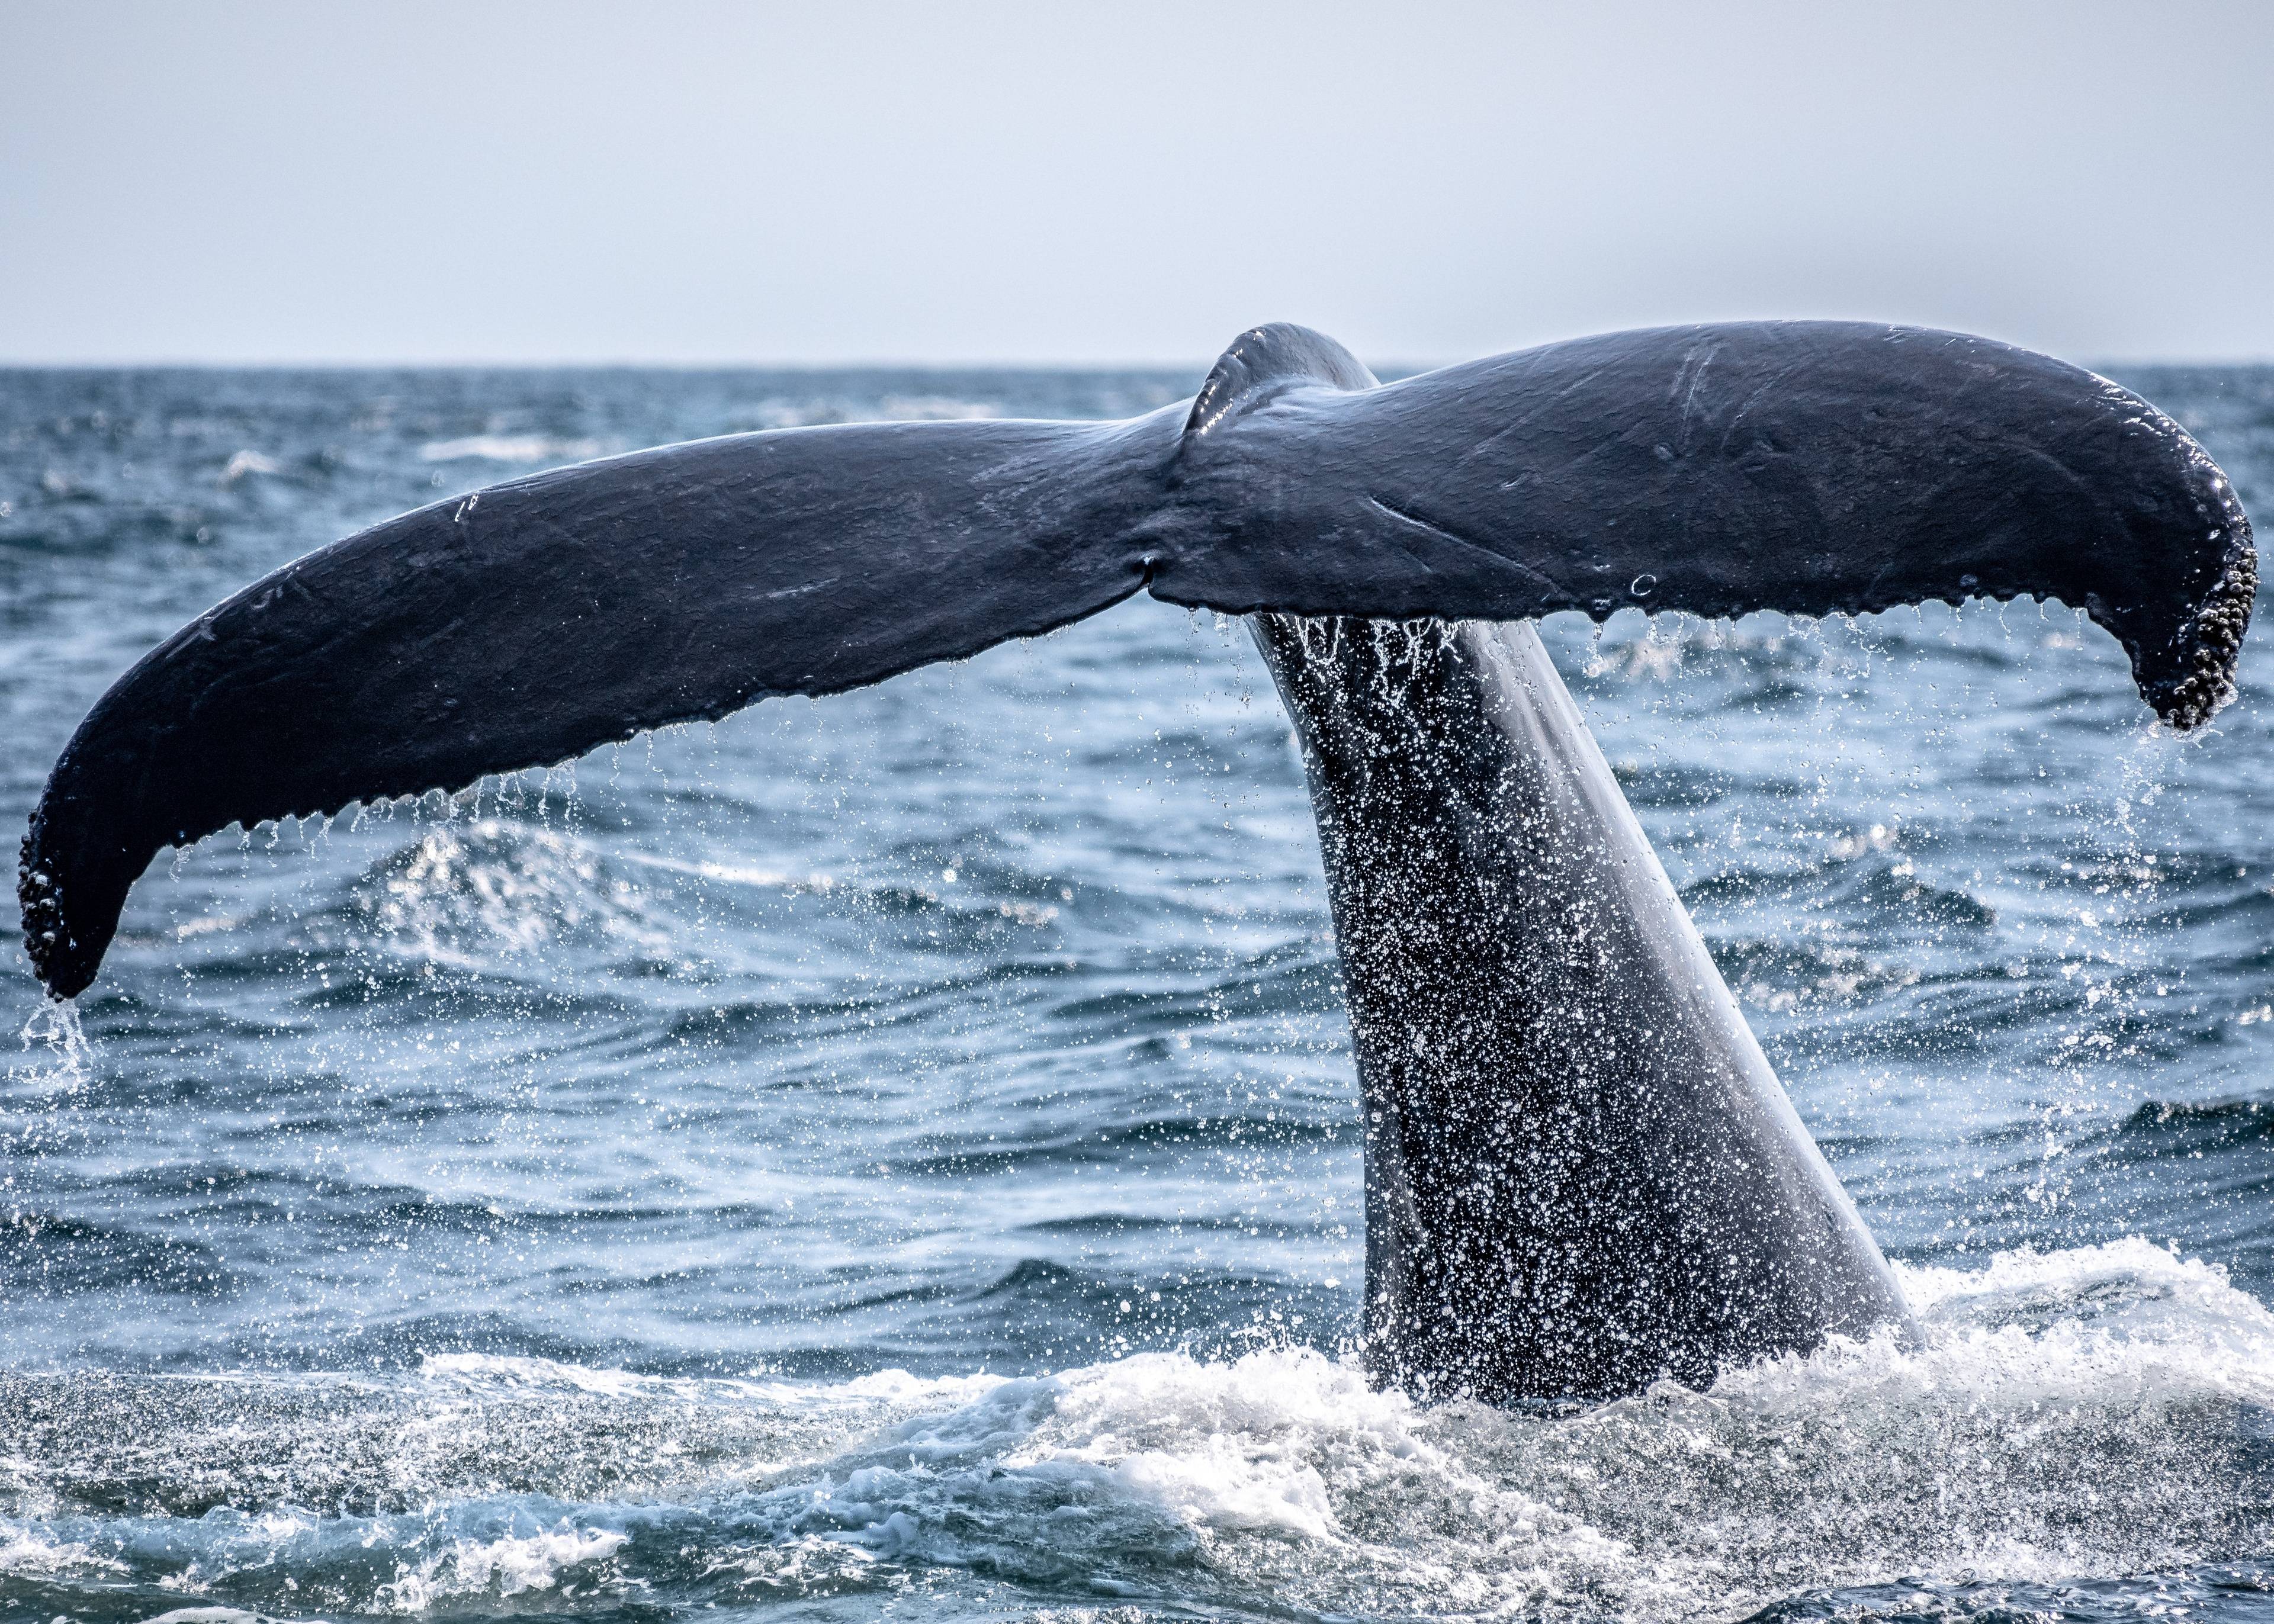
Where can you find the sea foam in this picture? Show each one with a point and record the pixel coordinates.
(2066, 1416)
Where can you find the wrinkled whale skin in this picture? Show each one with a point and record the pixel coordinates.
(1581, 1172)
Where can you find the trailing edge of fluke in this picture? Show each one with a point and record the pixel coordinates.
(1811, 467)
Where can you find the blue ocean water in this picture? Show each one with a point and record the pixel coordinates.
(897, 1155)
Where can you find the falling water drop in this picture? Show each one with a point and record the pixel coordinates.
(1641, 584)
(56, 1028)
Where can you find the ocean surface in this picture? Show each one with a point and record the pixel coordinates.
(896, 1156)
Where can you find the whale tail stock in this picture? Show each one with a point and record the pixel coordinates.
(1546, 1216)
(1582, 1173)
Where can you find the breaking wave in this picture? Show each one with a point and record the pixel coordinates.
(2067, 1417)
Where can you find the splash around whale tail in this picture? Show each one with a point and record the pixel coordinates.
(1811, 467)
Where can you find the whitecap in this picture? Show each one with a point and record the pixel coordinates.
(249, 462)
(2066, 1417)
(512, 1565)
(509, 448)
(27, 1552)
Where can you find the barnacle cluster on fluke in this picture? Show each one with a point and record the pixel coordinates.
(45, 929)
(2211, 642)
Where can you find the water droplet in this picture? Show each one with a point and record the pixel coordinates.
(1640, 585)
(55, 1027)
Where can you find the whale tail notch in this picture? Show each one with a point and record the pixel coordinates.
(1812, 467)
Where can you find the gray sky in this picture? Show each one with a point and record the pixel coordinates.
(697, 183)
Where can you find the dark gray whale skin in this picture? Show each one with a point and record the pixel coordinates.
(1581, 1172)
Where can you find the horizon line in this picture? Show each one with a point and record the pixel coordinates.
(1402, 367)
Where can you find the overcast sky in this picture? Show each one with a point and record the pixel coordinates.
(1071, 182)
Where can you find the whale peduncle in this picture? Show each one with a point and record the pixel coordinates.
(1581, 1172)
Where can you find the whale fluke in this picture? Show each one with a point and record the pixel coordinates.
(1811, 467)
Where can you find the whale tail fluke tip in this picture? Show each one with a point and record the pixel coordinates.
(2209, 647)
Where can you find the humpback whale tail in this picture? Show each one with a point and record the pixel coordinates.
(1811, 467)
(1581, 1172)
